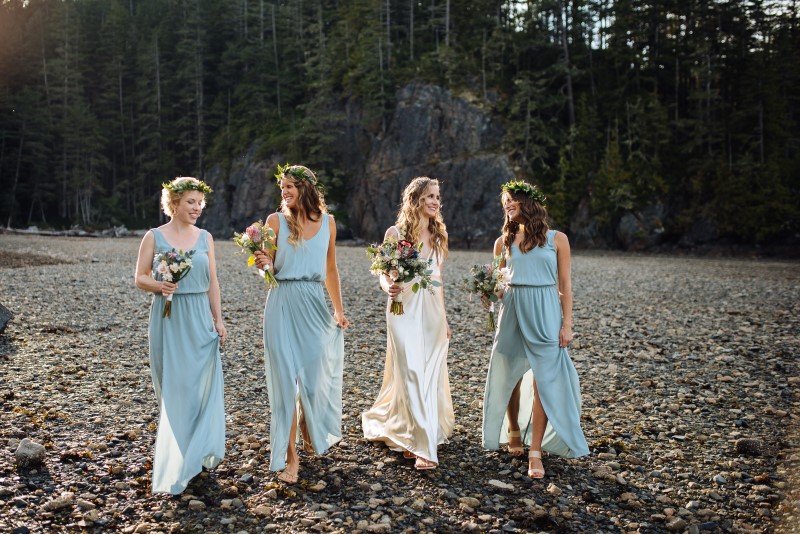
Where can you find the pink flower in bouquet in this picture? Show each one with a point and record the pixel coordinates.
(257, 237)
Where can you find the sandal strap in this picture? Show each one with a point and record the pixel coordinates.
(534, 454)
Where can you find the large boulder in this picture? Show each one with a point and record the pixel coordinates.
(437, 134)
(642, 230)
(5, 317)
(242, 195)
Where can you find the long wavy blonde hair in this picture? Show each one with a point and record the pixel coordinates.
(310, 203)
(410, 222)
(534, 219)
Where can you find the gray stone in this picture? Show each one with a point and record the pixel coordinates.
(5, 317)
(29, 453)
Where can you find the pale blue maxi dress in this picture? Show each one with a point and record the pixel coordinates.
(527, 340)
(187, 377)
(304, 347)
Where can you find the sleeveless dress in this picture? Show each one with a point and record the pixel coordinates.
(187, 377)
(304, 347)
(413, 410)
(527, 340)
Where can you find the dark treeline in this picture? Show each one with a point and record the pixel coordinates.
(612, 105)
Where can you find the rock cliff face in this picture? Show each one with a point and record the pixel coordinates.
(248, 194)
(432, 133)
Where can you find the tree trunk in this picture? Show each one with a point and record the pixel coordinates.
(388, 35)
(13, 193)
(275, 53)
(411, 29)
(562, 29)
(447, 23)
(158, 85)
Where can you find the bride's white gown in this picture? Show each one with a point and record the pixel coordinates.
(414, 410)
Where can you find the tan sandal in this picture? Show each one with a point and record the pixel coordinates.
(515, 450)
(288, 477)
(535, 472)
(422, 464)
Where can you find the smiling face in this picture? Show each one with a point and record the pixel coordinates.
(430, 202)
(512, 208)
(289, 193)
(189, 206)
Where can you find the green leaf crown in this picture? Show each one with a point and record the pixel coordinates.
(299, 173)
(187, 185)
(526, 189)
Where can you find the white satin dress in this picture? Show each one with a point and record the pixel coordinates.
(414, 410)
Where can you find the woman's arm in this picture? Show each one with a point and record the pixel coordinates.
(387, 284)
(332, 281)
(564, 288)
(441, 272)
(498, 250)
(144, 268)
(214, 294)
(267, 257)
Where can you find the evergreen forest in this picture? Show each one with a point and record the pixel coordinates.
(612, 105)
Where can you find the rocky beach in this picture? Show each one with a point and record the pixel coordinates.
(690, 375)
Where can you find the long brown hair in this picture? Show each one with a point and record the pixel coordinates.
(310, 204)
(409, 221)
(534, 219)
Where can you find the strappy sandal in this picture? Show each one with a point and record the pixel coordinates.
(408, 454)
(535, 472)
(288, 477)
(422, 464)
(515, 450)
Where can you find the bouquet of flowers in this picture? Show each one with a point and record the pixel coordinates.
(399, 260)
(257, 237)
(483, 281)
(171, 266)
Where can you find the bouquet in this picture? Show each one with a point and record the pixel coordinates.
(257, 237)
(484, 280)
(172, 266)
(399, 260)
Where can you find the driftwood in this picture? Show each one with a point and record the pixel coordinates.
(116, 231)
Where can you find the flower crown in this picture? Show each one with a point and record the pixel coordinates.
(187, 185)
(526, 189)
(300, 174)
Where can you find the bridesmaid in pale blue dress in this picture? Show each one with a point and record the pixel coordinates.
(184, 347)
(303, 343)
(533, 332)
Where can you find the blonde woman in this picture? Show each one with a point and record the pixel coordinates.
(184, 348)
(303, 343)
(413, 413)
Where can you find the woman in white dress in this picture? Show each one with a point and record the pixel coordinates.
(413, 413)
